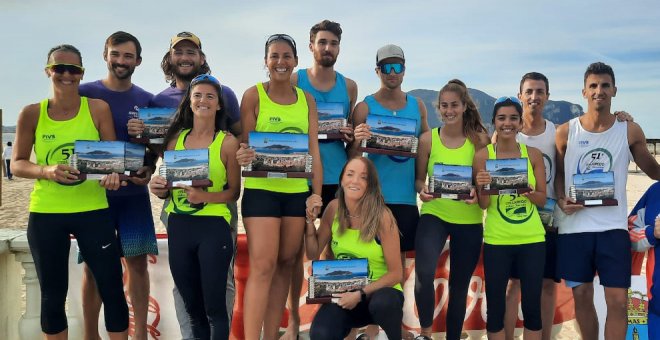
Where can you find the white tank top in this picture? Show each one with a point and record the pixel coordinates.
(597, 152)
(546, 143)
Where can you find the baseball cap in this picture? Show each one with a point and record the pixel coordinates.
(185, 36)
(389, 51)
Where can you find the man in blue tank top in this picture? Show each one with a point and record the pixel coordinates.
(328, 87)
(130, 207)
(184, 61)
(397, 174)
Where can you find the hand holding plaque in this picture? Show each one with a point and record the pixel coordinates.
(156, 121)
(279, 155)
(331, 120)
(508, 176)
(330, 277)
(593, 189)
(95, 159)
(186, 167)
(451, 181)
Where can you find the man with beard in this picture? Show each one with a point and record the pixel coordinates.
(328, 87)
(130, 207)
(397, 174)
(181, 64)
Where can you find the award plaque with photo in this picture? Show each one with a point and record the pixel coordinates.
(508, 176)
(187, 167)
(156, 122)
(593, 189)
(334, 277)
(95, 159)
(279, 155)
(391, 135)
(451, 181)
(133, 158)
(331, 119)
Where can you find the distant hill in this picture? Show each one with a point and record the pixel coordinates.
(9, 129)
(557, 112)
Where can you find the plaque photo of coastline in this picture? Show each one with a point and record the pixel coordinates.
(507, 176)
(190, 167)
(336, 276)
(133, 156)
(283, 153)
(156, 122)
(547, 212)
(391, 135)
(98, 157)
(451, 181)
(331, 119)
(593, 189)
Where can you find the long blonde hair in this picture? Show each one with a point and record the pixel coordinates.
(371, 206)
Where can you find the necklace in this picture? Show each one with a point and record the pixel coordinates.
(352, 216)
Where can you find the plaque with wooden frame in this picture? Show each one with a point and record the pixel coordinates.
(156, 122)
(279, 155)
(391, 135)
(331, 119)
(96, 159)
(186, 167)
(451, 181)
(594, 189)
(335, 277)
(508, 176)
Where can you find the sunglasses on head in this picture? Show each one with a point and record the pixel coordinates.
(276, 37)
(61, 68)
(505, 98)
(205, 78)
(387, 68)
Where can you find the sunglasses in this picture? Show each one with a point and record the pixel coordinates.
(511, 99)
(204, 77)
(61, 68)
(276, 37)
(387, 68)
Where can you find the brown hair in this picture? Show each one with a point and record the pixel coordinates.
(472, 124)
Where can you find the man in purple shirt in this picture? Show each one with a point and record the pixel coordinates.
(184, 61)
(130, 206)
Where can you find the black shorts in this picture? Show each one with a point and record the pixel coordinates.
(550, 271)
(264, 203)
(406, 217)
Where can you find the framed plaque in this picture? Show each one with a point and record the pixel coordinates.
(451, 181)
(331, 119)
(95, 159)
(508, 176)
(187, 167)
(156, 122)
(593, 189)
(133, 158)
(334, 277)
(547, 212)
(279, 155)
(391, 135)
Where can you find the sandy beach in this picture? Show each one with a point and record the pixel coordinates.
(16, 196)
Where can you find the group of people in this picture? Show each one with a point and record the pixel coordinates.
(367, 205)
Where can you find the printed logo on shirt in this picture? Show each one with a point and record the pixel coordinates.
(514, 209)
(547, 161)
(595, 160)
(275, 120)
(61, 155)
(48, 137)
(583, 143)
(181, 204)
(291, 129)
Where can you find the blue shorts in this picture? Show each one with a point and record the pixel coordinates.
(581, 255)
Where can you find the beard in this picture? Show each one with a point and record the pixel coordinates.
(186, 76)
(326, 60)
(122, 71)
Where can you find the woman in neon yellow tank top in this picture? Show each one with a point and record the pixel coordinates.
(200, 242)
(455, 144)
(274, 209)
(358, 224)
(60, 204)
(514, 235)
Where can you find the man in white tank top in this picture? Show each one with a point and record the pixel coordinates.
(595, 239)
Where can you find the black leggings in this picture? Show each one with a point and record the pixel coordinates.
(49, 240)
(529, 261)
(200, 251)
(464, 252)
(384, 307)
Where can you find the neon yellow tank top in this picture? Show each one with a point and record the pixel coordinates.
(274, 117)
(513, 219)
(53, 144)
(349, 246)
(217, 173)
(457, 212)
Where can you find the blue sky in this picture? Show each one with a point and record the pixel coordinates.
(489, 45)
